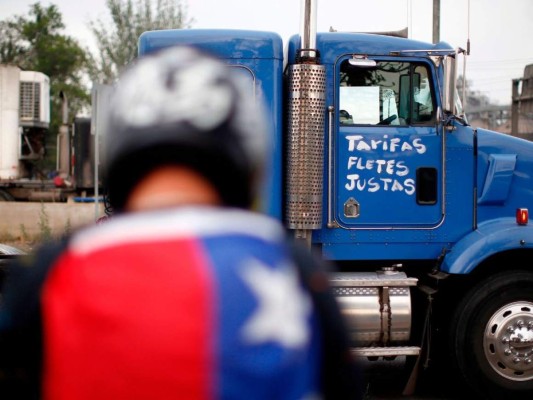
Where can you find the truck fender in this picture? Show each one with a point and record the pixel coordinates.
(490, 238)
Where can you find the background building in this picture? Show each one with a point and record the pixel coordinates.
(522, 105)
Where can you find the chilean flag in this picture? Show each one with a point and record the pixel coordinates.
(197, 303)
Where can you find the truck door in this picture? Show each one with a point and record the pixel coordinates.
(388, 150)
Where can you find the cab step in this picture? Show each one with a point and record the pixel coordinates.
(386, 351)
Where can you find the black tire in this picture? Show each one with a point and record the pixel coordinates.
(485, 336)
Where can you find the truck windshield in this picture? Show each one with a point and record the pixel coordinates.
(391, 93)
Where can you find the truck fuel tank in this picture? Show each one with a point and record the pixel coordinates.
(376, 305)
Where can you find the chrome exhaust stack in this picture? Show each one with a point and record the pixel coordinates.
(308, 29)
(307, 110)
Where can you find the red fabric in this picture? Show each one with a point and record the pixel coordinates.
(130, 322)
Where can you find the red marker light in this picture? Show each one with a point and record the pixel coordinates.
(522, 216)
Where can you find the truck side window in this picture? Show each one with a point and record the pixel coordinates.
(392, 93)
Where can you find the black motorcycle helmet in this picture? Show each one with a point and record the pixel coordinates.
(183, 106)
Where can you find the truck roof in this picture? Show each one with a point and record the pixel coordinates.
(332, 44)
(226, 43)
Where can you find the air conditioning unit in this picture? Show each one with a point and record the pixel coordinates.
(34, 99)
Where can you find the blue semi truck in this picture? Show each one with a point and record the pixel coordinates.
(376, 167)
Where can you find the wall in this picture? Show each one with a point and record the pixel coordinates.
(29, 221)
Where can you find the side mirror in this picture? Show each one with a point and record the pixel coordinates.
(449, 84)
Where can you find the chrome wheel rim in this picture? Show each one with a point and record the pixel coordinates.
(508, 341)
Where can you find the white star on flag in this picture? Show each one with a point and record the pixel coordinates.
(283, 307)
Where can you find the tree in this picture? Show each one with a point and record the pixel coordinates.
(117, 45)
(34, 42)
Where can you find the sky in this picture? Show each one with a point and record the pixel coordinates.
(500, 31)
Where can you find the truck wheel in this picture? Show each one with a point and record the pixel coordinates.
(492, 336)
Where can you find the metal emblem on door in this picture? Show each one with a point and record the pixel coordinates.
(352, 208)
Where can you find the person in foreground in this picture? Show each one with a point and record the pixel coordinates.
(184, 293)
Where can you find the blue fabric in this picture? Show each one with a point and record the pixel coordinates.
(267, 368)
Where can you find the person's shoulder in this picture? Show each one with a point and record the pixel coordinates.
(215, 221)
(179, 222)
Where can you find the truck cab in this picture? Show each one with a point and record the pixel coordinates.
(386, 165)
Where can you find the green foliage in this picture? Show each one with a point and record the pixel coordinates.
(117, 43)
(34, 42)
(68, 227)
(44, 224)
(24, 233)
(11, 48)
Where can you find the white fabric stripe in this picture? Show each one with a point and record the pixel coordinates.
(175, 223)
